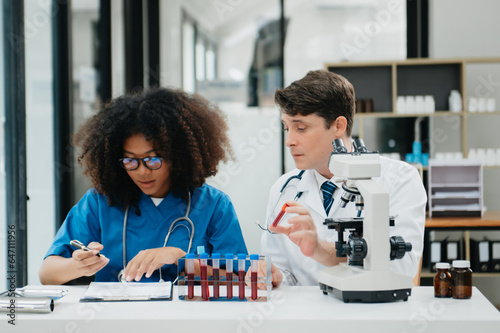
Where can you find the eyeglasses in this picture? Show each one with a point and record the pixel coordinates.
(131, 164)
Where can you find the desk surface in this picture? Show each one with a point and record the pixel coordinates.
(291, 309)
(489, 219)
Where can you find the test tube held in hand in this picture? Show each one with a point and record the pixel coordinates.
(241, 274)
(229, 274)
(190, 274)
(204, 275)
(216, 266)
(280, 215)
(254, 262)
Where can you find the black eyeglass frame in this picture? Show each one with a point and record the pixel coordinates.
(144, 161)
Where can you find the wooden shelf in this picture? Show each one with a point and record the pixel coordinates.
(389, 114)
(426, 273)
(488, 220)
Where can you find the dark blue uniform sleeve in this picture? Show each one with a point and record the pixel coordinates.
(82, 223)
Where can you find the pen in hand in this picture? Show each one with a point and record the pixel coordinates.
(81, 246)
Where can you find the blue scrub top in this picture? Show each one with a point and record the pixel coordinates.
(93, 220)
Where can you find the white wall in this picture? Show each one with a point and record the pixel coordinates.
(463, 28)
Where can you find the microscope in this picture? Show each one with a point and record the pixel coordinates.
(366, 276)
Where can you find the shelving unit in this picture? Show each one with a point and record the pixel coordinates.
(384, 81)
(489, 221)
(455, 188)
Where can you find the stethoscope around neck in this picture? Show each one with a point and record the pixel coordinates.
(285, 185)
(170, 230)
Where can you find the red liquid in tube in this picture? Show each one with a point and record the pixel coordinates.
(253, 284)
(280, 215)
(190, 277)
(216, 283)
(241, 283)
(229, 284)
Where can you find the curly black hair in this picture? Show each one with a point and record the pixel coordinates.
(185, 129)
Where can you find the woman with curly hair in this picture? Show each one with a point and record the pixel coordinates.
(148, 155)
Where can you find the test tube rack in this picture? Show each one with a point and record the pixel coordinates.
(229, 287)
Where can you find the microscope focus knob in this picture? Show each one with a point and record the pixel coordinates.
(399, 247)
(357, 250)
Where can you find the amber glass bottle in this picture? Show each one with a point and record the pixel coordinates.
(462, 279)
(442, 280)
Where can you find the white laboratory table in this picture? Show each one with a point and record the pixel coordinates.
(291, 309)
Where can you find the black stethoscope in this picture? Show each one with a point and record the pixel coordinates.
(170, 229)
(297, 196)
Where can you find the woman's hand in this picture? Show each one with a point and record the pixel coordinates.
(147, 261)
(87, 263)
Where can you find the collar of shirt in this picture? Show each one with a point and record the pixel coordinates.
(320, 180)
(157, 201)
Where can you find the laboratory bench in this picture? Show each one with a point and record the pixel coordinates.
(290, 309)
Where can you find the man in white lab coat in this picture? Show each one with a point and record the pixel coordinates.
(315, 110)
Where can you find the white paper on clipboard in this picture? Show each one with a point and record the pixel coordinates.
(132, 291)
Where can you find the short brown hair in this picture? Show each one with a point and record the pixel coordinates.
(188, 131)
(321, 92)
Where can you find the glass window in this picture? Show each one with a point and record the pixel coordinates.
(39, 134)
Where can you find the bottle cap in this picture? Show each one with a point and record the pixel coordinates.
(190, 256)
(203, 255)
(461, 263)
(215, 255)
(254, 257)
(229, 256)
(242, 256)
(442, 265)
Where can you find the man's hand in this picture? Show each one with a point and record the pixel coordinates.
(303, 233)
(276, 275)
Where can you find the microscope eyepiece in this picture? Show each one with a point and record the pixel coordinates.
(359, 146)
(338, 147)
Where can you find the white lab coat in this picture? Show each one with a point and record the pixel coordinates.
(407, 200)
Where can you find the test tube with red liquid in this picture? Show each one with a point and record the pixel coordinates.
(254, 266)
(216, 266)
(190, 274)
(241, 274)
(204, 275)
(280, 215)
(229, 274)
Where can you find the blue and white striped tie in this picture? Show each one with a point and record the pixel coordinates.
(328, 188)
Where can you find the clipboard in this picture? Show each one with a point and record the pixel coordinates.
(127, 291)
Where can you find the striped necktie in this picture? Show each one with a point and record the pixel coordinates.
(328, 188)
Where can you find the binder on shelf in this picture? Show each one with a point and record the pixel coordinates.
(452, 250)
(480, 255)
(435, 254)
(494, 256)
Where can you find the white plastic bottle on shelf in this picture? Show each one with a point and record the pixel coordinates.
(455, 101)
